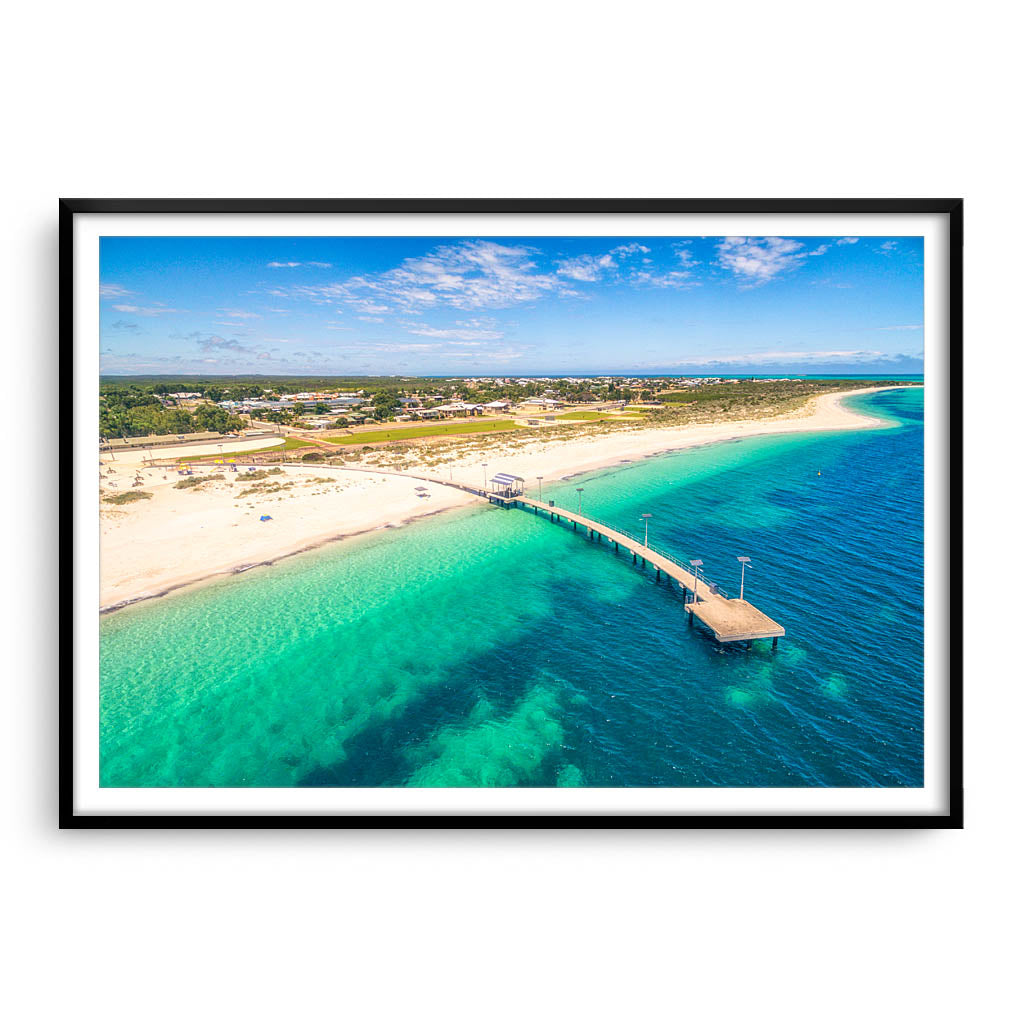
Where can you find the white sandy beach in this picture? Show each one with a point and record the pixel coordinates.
(183, 536)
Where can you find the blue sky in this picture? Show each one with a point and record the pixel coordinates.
(485, 306)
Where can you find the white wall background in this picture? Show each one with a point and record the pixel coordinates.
(531, 99)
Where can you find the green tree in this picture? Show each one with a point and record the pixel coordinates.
(385, 404)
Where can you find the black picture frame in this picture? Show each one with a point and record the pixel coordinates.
(951, 208)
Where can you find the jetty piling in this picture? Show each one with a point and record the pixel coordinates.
(730, 620)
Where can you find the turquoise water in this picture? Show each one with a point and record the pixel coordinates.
(490, 647)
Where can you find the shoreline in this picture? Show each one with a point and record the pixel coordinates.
(245, 567)
(395, 506)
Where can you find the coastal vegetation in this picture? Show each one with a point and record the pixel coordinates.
(135, 412)
(742, 399)
(238, 388)
(267, 487)
(127, 497)
(193, 482)
(261, 474)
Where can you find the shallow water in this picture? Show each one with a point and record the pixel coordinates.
(490, 647)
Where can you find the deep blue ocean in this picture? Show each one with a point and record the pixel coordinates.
(490, 647)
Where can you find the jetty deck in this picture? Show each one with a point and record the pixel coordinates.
(731, 620)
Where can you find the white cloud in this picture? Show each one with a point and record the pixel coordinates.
(821, 356)
(682, 278)
(277, 263)
(585, 268)
(903, 327)
(666, 279)
(469, 331)
(683, 254)
(215, 343)
(593, 268)
(757, 261)
(114, 291)
(630, 249)
(468, 275)
(473, 275)
(367, 306)
(847, 241)
(148, 310)
(238, 314)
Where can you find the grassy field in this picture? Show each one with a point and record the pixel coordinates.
(433, 430)
(290, 444)
(593, 414)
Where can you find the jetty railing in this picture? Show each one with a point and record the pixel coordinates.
(730, 621)
(701, 575)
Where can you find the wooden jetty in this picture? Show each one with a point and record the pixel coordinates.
(731, 620)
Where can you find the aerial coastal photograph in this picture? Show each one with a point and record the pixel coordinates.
(520, 511)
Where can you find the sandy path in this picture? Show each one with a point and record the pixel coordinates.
(138, 456)
(183, 536)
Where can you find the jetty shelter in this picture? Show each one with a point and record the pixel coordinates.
(506, 485)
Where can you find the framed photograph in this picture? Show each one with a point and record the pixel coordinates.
(529, 513)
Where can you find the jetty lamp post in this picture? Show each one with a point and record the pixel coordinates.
(540, 488)
(485, 476)
(696, 563)
(742, 559)
(646, 517)
(579, 491)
